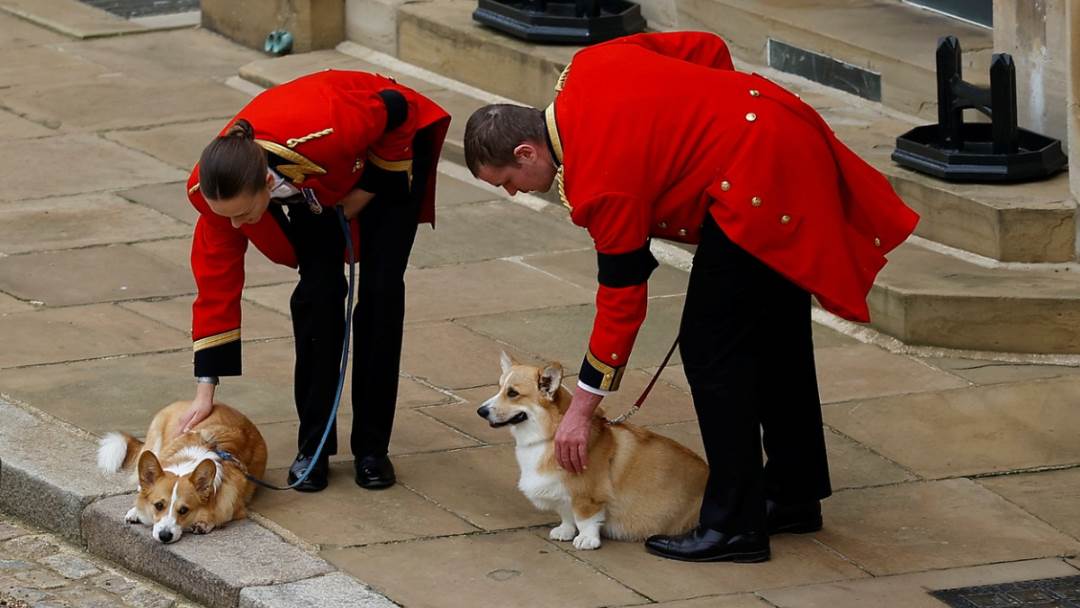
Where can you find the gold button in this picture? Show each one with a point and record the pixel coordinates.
(756, 201)
(614, 356)
(751, 117)
(877, 242)
(725, 185)
(754, 92)
(785, 219)
(682, 231)
(662, 224)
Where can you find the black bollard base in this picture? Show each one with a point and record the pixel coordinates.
(559, 23)
(1037, 156)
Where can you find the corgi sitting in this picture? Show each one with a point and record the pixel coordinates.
(638, 483)
(193, 481)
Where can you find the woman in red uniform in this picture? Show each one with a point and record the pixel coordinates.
(656, 135)
(273, 178)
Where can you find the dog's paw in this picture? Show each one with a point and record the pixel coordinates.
(201, 527)
(586, 543)
(132, 516)
(563, 532)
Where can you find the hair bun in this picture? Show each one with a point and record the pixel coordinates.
(242, 129)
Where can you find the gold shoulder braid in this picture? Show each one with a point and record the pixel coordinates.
(556, 145)
(296, 141)
(301, 167)
(562, 78)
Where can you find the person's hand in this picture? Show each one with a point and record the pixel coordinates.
(355, 201)
(200, 408)
(572, 436)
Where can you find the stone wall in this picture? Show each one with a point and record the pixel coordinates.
(314, 24)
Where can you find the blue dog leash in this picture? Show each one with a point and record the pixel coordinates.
(226, 456)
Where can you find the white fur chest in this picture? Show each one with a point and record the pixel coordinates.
(546, 489)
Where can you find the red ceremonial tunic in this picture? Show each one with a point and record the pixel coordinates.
(324, 128)
(655, 130)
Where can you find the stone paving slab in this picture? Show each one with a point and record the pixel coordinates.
(268, 72)
(349, 515)
(165, 56)
(83, 332)
(82, 220)
(1051, 496)
(168, 198)
(579, 268)
(911, 590)
(45, 65)
(562, 332)
(451, 192)
(258, 322)
(91, 275)
(330, 591)
(89, 162)
(48, 488)
(932, 525)
(462, 416)
(489, 570)
(70, 17)
(15, 127)
(460, 107)
(994, 372)
(179, 145)
(477, 484)
(451, 356)
(863, 371)
(212, 569)
(466, 290)
(485, 231)
(963, 432)
(795, 560)
(21, 33)
(258, 270)
(9, 304)
(742, 600)
(91, 106)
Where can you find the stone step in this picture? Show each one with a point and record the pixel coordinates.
(924, 297)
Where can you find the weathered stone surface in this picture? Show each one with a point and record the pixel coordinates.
(168, 198)
(862, 371)
(48, 488)
(944, 524)
(314, 24)
(995, 372)
(21, 33)
(910, 590)
(212, 569)
(274, 71)
(331, 591)
(579, 267)
(1051, 496)
(482, 570)
(70, 17)
(70, 566)
(15, 127)
(90, 164)
(451, 356)
(44, 65)
(79, 221)
(179, 145)
(963, 432)
(92, 275)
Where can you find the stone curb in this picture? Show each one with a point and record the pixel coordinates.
(49, 478)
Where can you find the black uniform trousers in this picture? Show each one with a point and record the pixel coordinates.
(387, 230)
(747, 349)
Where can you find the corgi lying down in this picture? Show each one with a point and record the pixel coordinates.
(185, 483)
(638, 483)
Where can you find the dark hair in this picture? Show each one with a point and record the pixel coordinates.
(495, 130)
(232, 164)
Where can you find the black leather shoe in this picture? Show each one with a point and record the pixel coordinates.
(707, 545)
(375, 472)
(793, 518)
(316, 480)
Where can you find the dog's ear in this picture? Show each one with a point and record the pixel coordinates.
(506, 361)
(203, 479)
(550, 380)
(149, 469)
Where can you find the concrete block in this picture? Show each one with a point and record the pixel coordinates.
(314, 24)
(373, 23)
(48, 487)
(211, 569)
(331, 591)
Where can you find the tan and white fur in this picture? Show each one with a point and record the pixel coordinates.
(637, 483)
(184, 484)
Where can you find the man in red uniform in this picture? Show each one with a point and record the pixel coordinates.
(655, 135)
(273, 178)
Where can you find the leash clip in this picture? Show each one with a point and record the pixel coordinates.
(313, 203)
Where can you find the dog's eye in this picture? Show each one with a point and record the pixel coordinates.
(511, 393)
(182, 510)
(159, 505)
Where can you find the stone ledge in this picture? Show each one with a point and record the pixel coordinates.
(330, 591)
(48, 473)
(212, 569)
(74, 19)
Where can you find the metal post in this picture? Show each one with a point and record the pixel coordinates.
(1003, 102)
(950, 119)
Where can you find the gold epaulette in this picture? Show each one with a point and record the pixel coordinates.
(562, 78)
(301, 166)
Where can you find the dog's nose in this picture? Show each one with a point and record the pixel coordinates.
(483, 411)
(165, 536)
